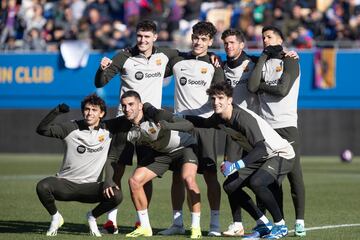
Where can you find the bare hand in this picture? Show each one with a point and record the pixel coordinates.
(105, 63)
(292, 54)
(215, 60)
(108, 192)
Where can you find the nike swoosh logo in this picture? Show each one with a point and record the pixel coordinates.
(182, 69)
(271, 168)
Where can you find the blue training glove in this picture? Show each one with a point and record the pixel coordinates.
(228, 168)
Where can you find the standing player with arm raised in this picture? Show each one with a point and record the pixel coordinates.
(141, 68)
(194, 73)
(87, 143)
(276, 80)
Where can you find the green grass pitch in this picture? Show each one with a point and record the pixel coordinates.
(332, 199)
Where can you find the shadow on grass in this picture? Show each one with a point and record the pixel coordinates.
(41, 228)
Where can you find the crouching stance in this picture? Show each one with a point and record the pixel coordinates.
(269, 158)
(173, 146)
(87, 143)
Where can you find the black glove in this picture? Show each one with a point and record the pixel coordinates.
(164, 125)
(63, 108)
(273, 50)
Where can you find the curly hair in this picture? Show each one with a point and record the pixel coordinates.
(220, 88)
(204, 28)
(95, 100)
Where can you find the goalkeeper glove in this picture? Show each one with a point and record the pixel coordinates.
(228, 168)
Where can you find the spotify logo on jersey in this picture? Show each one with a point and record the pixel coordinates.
(139, 75)
(81, 149)
(183, 81)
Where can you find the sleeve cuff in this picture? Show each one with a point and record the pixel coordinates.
(240, 164)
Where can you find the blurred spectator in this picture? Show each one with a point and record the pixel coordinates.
(131, 12)
(108, 9)
(37, 20)
(77, 8)
(103, 36)
(302, 21)
(119, 40)
(33, 41)
(8, 20)
(83, 29)
(314, 22)
(69, 24)
(258, 11)
(95, 20)
(355, 27)
(292, 21)
(300, 38)
(10, 44)
(48, 31)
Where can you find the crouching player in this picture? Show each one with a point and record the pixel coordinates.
(87, 143)
(269, 159)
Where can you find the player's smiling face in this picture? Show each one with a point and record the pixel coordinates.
(200, 44)
(220, 103)
(92, 115)
(145, 41)
(132, 109)
(271, 39)
(233, 47)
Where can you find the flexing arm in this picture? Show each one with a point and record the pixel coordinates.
(47, 128)
(109, 68)
(286, 81)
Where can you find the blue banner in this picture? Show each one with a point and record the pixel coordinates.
(42, 81)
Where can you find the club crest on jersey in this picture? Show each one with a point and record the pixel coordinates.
(152, 130)
(101, 138)
(203, 70)
(279, 68)
(158, 61)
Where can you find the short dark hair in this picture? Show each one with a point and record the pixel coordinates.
(233, 32)
(204, 28)
(219, 88)
(276, 30)
(130, 93)
(146, 25)
(95, 100)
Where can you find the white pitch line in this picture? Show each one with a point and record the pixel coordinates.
(331, 226)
